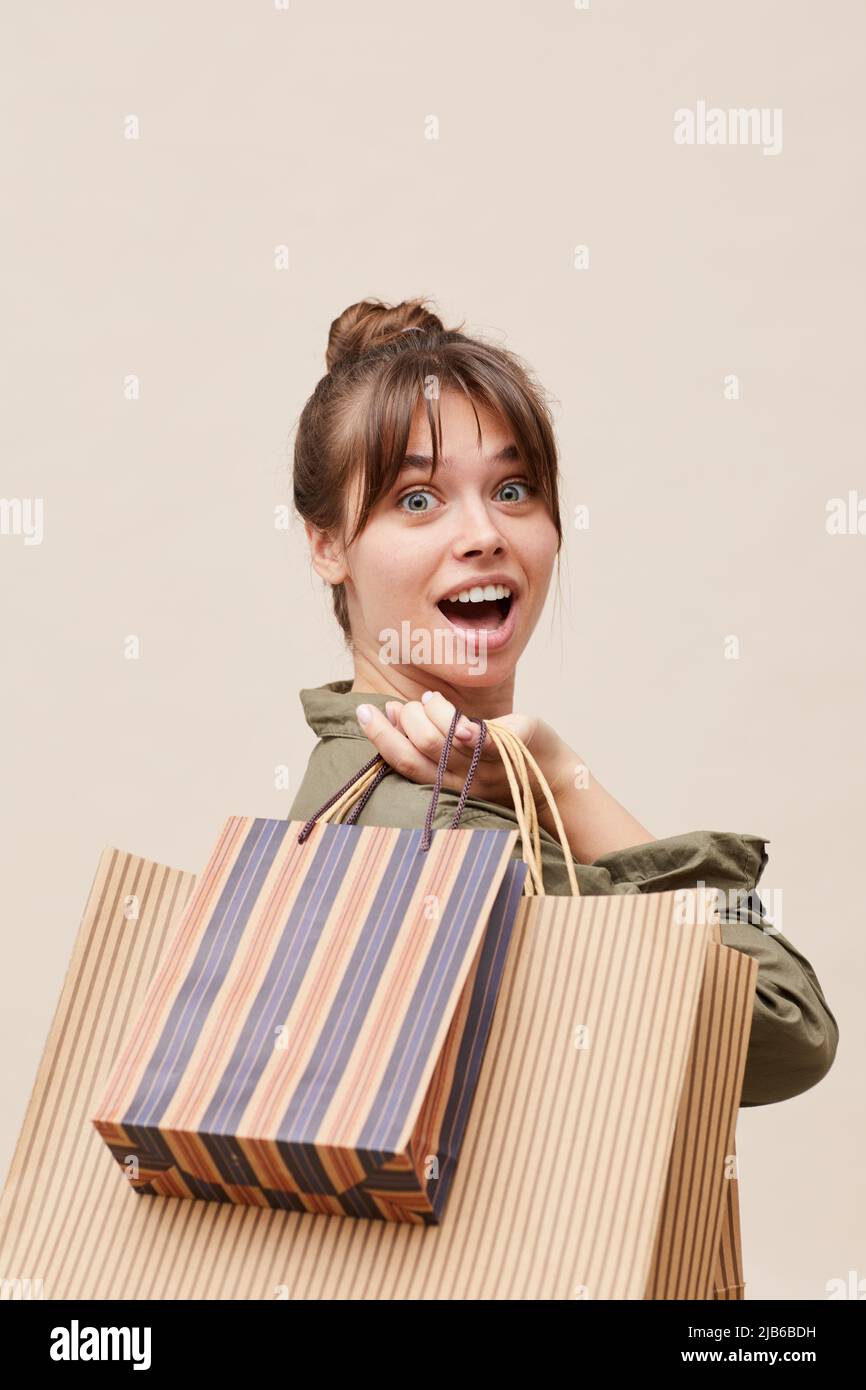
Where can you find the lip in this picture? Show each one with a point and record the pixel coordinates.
(496, 636)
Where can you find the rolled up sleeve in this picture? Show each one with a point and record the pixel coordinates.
(794, 1035)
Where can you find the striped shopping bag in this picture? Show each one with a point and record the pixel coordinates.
(604, 1170)
(314, 1034)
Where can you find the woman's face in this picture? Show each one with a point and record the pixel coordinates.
(478, 523)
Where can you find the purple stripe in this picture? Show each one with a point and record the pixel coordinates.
(352, 1004)
(169, 1058)
(324, 877)
(391, 1106)
(360, 979)
(479, 1020)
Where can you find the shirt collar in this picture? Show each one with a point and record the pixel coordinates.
(330, 709)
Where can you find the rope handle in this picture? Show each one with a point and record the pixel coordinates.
(509, 744)
(363, 783)
(516, 759)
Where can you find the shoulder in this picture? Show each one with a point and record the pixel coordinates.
(331, 764)
(718, 858)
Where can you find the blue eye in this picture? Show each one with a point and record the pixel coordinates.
(518, 482)
(409, 496)
(424, 492)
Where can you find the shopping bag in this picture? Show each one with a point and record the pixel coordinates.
(513, 1229)
(697, 1249)
(674, 1214)
(314, 1034)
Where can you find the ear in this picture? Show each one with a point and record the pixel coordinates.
(326, 555)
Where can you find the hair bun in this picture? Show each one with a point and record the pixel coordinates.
(370, 322)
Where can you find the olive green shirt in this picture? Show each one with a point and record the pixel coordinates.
(794, 1035)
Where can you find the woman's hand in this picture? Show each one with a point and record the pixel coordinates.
(412, 737)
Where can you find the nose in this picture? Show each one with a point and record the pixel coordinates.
(477, 534)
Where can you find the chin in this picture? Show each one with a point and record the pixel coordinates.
(470, 678)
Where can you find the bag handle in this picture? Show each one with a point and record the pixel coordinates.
(363, 783)
(516, 758)
(524, 808)
(513, 748)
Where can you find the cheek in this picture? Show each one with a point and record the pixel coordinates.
(392, 567)
(538, 549)
(539, 558)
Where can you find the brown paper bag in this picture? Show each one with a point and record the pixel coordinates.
(706, 1227)
(575, 1181)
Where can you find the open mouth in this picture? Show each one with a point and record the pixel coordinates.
(487, 613)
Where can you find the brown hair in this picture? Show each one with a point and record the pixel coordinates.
(381, 361)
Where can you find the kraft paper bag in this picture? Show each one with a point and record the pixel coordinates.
(698, 1242)
(518, 1224)
(596, 1160)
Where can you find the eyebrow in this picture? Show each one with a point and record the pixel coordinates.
(510, 454)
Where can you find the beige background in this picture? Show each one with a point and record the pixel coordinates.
(261, 127)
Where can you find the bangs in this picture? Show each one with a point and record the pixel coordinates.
(376, 430)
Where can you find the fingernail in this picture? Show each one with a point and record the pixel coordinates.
(463, 731)
(363, 712)
(428, 695)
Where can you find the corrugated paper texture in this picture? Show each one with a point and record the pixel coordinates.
(565, 1171)
(297, 1048)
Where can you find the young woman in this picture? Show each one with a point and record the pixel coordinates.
(426, 474)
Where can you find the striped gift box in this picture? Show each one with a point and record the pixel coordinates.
(313, 1036)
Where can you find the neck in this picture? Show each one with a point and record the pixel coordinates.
(409, 683)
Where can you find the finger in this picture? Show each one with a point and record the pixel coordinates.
(393, 745)
(425, 736)
(392, 709)
(441, 711)
(429, 738)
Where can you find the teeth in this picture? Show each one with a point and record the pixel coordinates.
(479, 594)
